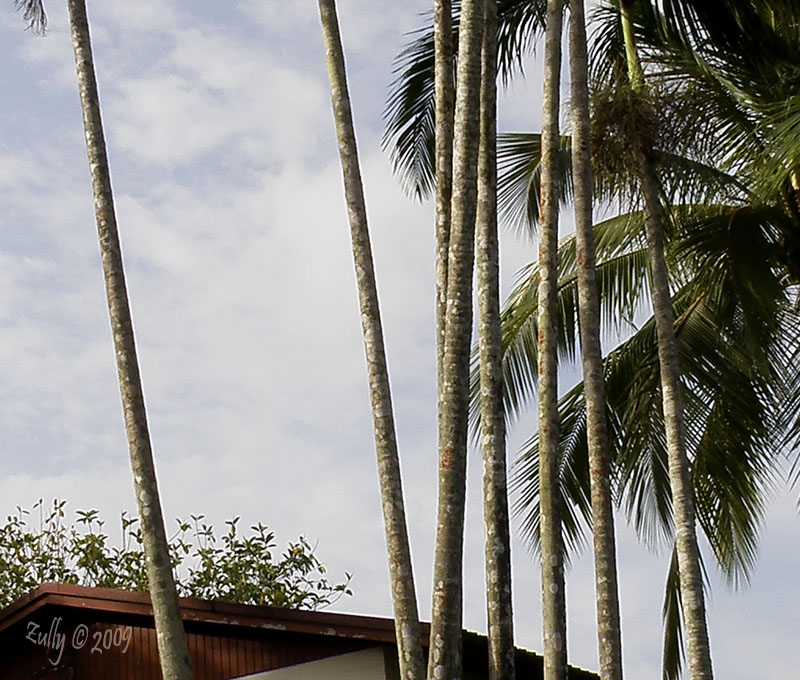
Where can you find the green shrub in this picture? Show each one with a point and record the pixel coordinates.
(233, 567)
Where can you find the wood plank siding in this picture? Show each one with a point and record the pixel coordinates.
(126, 650)
(62, 632)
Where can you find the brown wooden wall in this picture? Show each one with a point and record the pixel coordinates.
(218, 651)
(109, 635)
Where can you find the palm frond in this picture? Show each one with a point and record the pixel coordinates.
(519, 176)
(790, 387)
(607, 64)
(732, 405)
(574, 488)
(689, 181)
(33, 13)
(673, 650)
(409, 114)
(623, 282)
(519, 24)
(780, 127)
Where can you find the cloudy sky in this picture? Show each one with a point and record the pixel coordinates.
(232, 219)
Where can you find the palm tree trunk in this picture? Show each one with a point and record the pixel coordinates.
(406, 616)
(444, 660)
(172, 648)
(445, 95)
(691, 584)
(554, 615)
(495, 487)
(605, 561)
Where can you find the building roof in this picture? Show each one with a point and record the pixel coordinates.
(322, 633)
(127, 603)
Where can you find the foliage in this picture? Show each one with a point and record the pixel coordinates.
(234, 567)
(33, 13)
(722, 129)
(409, 114)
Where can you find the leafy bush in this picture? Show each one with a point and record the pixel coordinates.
(232, 568)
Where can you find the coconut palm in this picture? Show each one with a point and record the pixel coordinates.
(497, 544)
(444, 658)
(687, 550)
(733, 352)
(444, 93)
(738, 22)
(554, 616)
(407, 629)
(746, 308)
(607, 594)
(749, 395)
(171, 638)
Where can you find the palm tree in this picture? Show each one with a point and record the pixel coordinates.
(607, 594)
(411, 110)
(734, 265)
(717, 293)
(495, 485)
(727, 306)
(735, 329)
(444, 657)
(407, 629)
(172, 647)
(686, 547)
(554, 615)
(444, 93)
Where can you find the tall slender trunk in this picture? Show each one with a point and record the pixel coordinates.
(445, 101)
(444, 659)
(605, 560)
(495, 487)
(691, 583)
(406, 616)
(172, 649)
(554, 614)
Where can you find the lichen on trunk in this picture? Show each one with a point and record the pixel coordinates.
(606, 589)
(172, 648)
(406, 617)
(691, 584)
(552, 548)
(445, 644)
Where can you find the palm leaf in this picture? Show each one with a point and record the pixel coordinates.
(673, 651)
(519, 176)
(33, 13)
(731, 401)
(623, 283)
(410, 116)
(574, 489)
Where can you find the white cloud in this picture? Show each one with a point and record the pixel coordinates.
(362, 29)
(211, 93)
(145, 16)
(235, 239)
